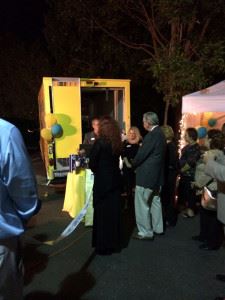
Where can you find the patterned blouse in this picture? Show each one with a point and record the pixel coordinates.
(190, 154)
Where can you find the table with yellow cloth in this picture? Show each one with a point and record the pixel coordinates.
(77, 186)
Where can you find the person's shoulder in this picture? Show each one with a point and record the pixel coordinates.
(157, 133)
(9, 130)
(5, 125)
(156, 130)
(195, 147)
(87, 134)
(6, 128)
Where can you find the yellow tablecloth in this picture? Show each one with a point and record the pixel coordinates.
(75, 195)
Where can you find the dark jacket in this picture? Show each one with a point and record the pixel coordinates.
(149, 161)
(89, 138)
(105, 166)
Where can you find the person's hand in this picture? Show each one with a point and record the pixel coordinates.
(81, 152)
(127, 163)
(185, 168)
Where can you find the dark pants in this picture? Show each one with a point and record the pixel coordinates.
(168, 199)
(186, 195)
(11, 269)
(211, 230)
(128, 181)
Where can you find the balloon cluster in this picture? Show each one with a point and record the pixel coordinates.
(52, 129)
(212, 122)
(202, 132)
(207, 121)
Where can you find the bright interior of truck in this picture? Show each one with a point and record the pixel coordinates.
(97, 102)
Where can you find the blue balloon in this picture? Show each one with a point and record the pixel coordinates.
(202, 132)
(57, 131)
(212, 122)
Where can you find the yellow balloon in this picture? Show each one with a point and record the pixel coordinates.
(208, 115)
(205, 118)
(46, 134)
(50, 120)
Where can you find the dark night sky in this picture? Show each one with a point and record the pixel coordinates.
(24, 18)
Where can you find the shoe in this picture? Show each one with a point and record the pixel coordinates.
(170, 224)
(197, 238)
(161, 233)
(190, 213)
(206, 247)
(220, 277)
(143, 238)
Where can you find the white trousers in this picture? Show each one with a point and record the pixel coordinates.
(148, 212)
(11, 270)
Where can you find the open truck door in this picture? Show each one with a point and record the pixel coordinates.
(74, 102)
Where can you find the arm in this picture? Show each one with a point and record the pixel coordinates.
(215, 170)
(94, 156)
(86, 139)
(19, 177)
(189, 158)
(201, 178)
(172, 156)
(144, 151)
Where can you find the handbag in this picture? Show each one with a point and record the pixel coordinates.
(208, 200)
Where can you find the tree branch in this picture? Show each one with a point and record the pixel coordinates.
(137, 46)
(204, 28)
(155, 38)
(129, 44)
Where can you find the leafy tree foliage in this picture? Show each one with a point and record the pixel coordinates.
(182, 39)
(176, 44)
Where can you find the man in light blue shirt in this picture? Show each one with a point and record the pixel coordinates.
(18, 203)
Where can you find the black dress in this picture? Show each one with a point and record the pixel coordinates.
(169, 188)
(106, 198)
(129, 151)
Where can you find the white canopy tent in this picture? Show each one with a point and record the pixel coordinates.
(204, 108)
(211, 99)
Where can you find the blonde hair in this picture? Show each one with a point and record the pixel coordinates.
(168, 132)
(137, 132)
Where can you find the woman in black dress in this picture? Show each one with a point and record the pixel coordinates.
(171, 171)
(130, 148)
(104, 162)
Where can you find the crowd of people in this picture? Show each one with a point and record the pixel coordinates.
(163, 183)
(147, 177)
(154, 179)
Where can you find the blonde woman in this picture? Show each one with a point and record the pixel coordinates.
(130, 148)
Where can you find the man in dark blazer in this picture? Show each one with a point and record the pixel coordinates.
(90, 137)
(149, 165)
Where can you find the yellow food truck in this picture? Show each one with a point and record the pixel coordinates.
(66, 108)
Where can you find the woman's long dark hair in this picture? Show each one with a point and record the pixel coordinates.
(109, 131)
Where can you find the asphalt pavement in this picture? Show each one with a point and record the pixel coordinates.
(169, 268)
